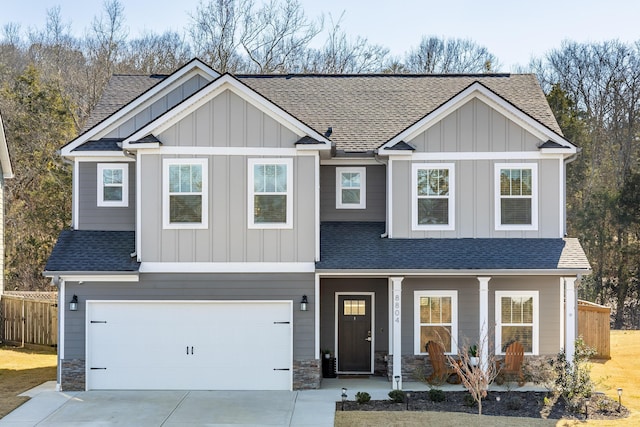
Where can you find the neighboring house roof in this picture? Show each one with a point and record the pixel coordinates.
(363, 111)
(93, 251)
(5, 161)
(358, 246)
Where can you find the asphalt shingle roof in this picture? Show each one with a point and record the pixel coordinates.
(93, 251)
(358, 246)
(103, 144)
(364, 111)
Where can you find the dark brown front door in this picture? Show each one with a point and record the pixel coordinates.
(354, 333)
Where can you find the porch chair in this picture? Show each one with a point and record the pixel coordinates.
(512, 364)
(441, 370)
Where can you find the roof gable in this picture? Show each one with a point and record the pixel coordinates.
(215, 88)
(477, 90)
(143, 100)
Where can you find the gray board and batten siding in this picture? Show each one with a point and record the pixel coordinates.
(477, 128)
(158, 107)
(198, 287)
(474, 201)
(228, 238)
(548, 288)
(103, 218)
(376, 184)
(228, 121)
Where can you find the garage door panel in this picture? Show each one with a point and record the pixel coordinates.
(189, 345)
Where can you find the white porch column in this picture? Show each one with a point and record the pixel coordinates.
(571, 320)
(483, 337)
(396, 314)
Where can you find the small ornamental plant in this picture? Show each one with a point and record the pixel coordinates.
(362, 397)
(397, 396)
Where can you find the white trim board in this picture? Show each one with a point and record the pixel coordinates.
(227, 267)
(186, 72)
(223, 83)
(478, 91)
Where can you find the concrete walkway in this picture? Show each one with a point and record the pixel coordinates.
(48, 407)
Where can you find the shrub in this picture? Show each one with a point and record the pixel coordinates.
(397, 396)
(437, 395)
(362, 397)
(469, 401)
(573, 380)
(513, 403)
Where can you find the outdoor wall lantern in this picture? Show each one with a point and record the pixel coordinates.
(303, 303)
(73, 304)
(619, 399)
(344, 397)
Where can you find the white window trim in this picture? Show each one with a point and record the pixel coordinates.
(125, 185)
(363, 187)
(536, 318)
(534, 197)
(416, 318)
(205, 194)
(250, 194)
(414, 197)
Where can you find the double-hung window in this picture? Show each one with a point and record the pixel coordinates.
(433, 190)
(270, 193)
(351, 188)
(436, 319)
(113, 185)
(516, 191)
(517, 320)
(185, 196)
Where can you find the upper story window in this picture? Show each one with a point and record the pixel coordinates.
(113, 184)
(436, 317)
(351, 188)
(517, 320)
(185, 193)
(270, 193)
(433, 190)
(516, 196)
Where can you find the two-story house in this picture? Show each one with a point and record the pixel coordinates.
(227, 229)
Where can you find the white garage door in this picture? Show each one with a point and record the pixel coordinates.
(194, 345)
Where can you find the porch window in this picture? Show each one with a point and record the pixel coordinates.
(351, 188)
(517, 320)
(516, 196)
(436, 317)
(185, 193)
(270, 193)
(433, 190)
(113, 185)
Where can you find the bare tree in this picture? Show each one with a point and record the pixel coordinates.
(476, 375)
(341, 55)
(156, 53)
(436, 55)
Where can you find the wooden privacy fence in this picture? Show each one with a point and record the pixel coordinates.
(29, 318)
(593, 325)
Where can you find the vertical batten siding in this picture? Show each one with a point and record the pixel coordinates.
(474, 201)
(199, 287)
(228, 239)
(94, 217)
(158, 107)
(376, 184)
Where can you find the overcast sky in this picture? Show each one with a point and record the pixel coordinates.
(513, 30)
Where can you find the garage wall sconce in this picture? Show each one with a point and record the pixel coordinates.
(304, 303)
(73, 304)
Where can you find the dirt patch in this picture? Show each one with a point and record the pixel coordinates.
(528, 404)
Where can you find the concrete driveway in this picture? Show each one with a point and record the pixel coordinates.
(176, 408)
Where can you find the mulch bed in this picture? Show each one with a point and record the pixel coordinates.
(514, 404)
